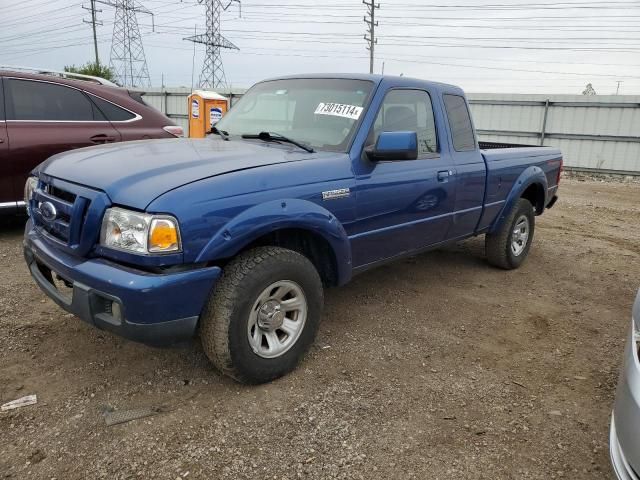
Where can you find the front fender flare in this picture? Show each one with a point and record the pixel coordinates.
(532, 175)
(264, 218)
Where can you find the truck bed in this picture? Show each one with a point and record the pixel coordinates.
(505, 162)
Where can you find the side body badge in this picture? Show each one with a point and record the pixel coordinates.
(335, 194)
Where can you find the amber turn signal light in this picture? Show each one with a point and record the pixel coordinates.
(163, 236)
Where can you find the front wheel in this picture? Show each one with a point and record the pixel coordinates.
(263, 315)
(509, 246)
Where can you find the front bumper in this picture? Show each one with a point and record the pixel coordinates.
(624, 443)
(156, 309)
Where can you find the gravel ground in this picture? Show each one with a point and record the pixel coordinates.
(435, 367)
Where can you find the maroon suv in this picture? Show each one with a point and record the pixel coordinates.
(41, 115)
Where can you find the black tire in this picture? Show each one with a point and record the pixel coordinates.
(225, 320)
(498, 244)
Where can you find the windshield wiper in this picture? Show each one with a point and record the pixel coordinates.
(222, 133)
(276, 137)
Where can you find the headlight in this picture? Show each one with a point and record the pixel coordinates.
(139, 232)
(29, 187)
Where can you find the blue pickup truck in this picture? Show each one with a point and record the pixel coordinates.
(306, 182)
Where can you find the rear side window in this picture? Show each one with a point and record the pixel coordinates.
(113, 112)
(460, 123)
(30, 100)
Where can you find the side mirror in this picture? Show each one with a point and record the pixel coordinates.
(394, 146)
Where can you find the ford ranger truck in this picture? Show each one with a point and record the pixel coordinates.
(304, 183)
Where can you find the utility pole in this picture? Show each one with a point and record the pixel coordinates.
(370, 20)
(212, 75)
(618, 87)
(94, 21)
(128, 60)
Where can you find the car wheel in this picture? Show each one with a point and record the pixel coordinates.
(509, 246)
(263, 314)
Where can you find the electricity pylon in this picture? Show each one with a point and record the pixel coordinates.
(212, 75)
(128, 61)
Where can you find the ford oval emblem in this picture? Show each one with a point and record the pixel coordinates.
(48, 211)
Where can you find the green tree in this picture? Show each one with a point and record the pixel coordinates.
(93, 69)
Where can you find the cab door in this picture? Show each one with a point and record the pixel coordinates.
(470, 167)
(403, 205)
(7, 196)
(45, 118)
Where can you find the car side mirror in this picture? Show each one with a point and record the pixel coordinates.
(394, 146)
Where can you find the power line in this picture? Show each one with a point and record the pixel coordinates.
(518, 25)
(296, 21)
(413, 60)
(30, 35)
(516, 47)
(485, 67)
(342, 35)
(277, 13)
(419, 37)
(22, 20)
(458, 7)
(450, 57)
(304, 17)
(523, 39)
(475, 5)
(395, 41)
(37, 50)
(21, 4)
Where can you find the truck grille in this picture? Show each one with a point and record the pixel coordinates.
(59, 212)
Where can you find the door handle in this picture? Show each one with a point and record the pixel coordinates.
(1, 140)
(443, 175)
(102, 138)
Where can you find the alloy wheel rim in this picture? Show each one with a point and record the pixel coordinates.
(277, 319)
(520, 235)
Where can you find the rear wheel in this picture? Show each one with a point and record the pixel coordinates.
(509, 246)
(263, 314)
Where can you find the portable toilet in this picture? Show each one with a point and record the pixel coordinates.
(205, 110)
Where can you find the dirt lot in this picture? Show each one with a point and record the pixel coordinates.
(436, 367)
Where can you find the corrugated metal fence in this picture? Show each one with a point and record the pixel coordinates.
(595, 133)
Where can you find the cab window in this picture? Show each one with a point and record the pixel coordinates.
(408, 110)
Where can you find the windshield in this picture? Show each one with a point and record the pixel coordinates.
(322, 113)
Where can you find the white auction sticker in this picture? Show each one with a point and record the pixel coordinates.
(339, 110)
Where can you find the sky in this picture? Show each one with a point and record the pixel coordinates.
(503, 46)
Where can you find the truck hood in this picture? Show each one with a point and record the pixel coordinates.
(135, 173)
